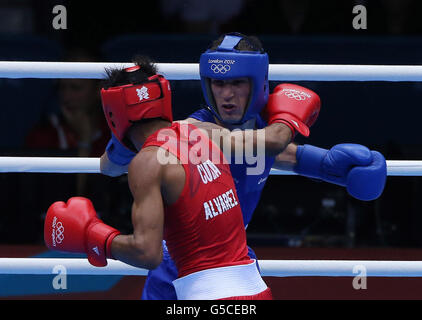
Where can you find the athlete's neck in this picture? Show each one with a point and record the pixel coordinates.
(250, 124)
(140, 131)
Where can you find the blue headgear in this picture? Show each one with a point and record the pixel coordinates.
(228, 63)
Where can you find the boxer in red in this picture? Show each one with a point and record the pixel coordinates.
(183, 193)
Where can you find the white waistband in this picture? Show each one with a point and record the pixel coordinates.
(218, 283)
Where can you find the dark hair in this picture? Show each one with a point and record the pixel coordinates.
(119, 77)
(248, 43)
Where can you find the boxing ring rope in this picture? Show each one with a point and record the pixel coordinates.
(269, 268)
(92, 165)
(190, 71)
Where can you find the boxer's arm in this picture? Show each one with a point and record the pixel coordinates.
(271, 140)
(143, 248)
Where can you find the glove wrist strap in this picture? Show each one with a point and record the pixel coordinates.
(309, 159)
(98, 243)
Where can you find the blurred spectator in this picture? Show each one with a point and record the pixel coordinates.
(79, 125)
(397, 14)
(293, 17)
(295, 13)
(28, 17)
(16, 16)
(200, 16)
(90, 23)
(392, 17)
(77, 129)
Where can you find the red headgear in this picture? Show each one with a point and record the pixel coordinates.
(126, 104)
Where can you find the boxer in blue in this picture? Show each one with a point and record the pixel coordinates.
(234, 79)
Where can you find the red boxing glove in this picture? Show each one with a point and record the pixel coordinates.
(293, 105)
(74, 227)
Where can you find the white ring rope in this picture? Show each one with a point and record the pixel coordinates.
(190, 71)
(269, 268)
(87, 70)
(49, 165)
(92, 165)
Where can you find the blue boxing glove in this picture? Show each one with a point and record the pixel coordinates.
(362, 171)
(115, 161)
(118, 153)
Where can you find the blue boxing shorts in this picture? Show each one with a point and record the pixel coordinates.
(159, 283)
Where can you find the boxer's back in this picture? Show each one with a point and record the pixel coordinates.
(204, 228)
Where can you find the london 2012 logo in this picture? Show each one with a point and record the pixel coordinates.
(295, 94)
(58, 232)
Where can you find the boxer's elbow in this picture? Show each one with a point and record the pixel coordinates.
(148, 255)
(150, 261)
(137, 251)
(154, 258)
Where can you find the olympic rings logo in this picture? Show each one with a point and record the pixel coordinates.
(220, 68)
(59, 232)
(298, 96)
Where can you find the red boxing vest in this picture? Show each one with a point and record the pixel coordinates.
(204, 228)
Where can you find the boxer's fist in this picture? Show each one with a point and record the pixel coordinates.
(362, 171)
(293, 105)
(74, 227)
(367, 182)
